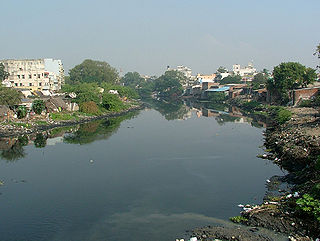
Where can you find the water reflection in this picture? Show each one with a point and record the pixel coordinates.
(12, 148)
(222, 113)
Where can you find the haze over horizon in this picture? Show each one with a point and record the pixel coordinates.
(146, 36)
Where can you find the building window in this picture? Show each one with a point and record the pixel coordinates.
(16, 84)
(34, 75)
(38, 76)
(20, 84)
(40, 83)
(30, 84)
(18, 76)
(23, 76)
(30, 76)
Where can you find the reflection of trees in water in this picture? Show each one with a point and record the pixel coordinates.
(40, 141)
(170, 110)
(223, 118)
(15, 150)
(97, 130)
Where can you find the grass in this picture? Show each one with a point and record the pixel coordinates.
(64, 116)
(238, 219)
(41, 123)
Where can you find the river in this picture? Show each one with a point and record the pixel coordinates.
(151, 175)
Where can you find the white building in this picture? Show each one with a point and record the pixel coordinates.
(206, 78)
(34, 74)
(248, 70)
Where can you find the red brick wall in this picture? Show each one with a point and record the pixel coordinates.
(304, 94)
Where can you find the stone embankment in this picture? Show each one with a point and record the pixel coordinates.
(7, 129)
(295, 147)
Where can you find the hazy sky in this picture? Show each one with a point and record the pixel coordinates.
(146, 36)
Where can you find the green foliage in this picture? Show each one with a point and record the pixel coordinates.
(16, 151)
(89, 107)
(217, 97)
(112, 102)
(238, 219)
(3, 74)
(169, 84)
(58, 116)
(260, 78)
(132, 79)
(236, 79)
(289, 76)
(309, 205)
(124, 91)
(222, 69)
(283, 116)
(90, 71)
(38, 106)
(251, 106)
(85, 92)
(10, 96)
(317, 164)
(21, 112)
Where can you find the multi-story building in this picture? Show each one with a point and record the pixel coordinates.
(246, 71)
(34, 74)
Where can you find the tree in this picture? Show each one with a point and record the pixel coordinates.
(318, 54)
(289, 76)
(260, 78)
(168, 85)
(93, 71)
(222, 69)
(38, 106)
(236, 79)
(10, 96)
(3, 74)
(112, 102)
(132, 79)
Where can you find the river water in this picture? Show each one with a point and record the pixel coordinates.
(151, 175)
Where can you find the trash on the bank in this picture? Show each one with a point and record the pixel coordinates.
(193, 239)
(296, 194)
(289, 196)
(273, 202)
(247, 209)
(91, 161)
(240, 205)
(268, 181)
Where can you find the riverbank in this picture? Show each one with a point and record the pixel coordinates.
(42, 123)
(295, 147)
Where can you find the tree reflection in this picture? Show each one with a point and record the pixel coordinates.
(97, 130)
(12, 148)
(40, 141)
(170, 110)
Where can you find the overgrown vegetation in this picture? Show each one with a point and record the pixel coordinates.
(238, 219)
(309, 205)
(38, 106)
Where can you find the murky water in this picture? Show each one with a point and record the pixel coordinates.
(138, 178)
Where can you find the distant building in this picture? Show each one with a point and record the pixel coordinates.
(183, 69)
(34, 74)
(246, 71)
(205, 78)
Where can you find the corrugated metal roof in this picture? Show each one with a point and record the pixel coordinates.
(225, 88)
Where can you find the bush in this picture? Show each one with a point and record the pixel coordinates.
(21, 112)
(89, 107)
(309, 205)
(112, 102)
(251, 106)
(283, 116)
(38, 106)
(238, 219)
